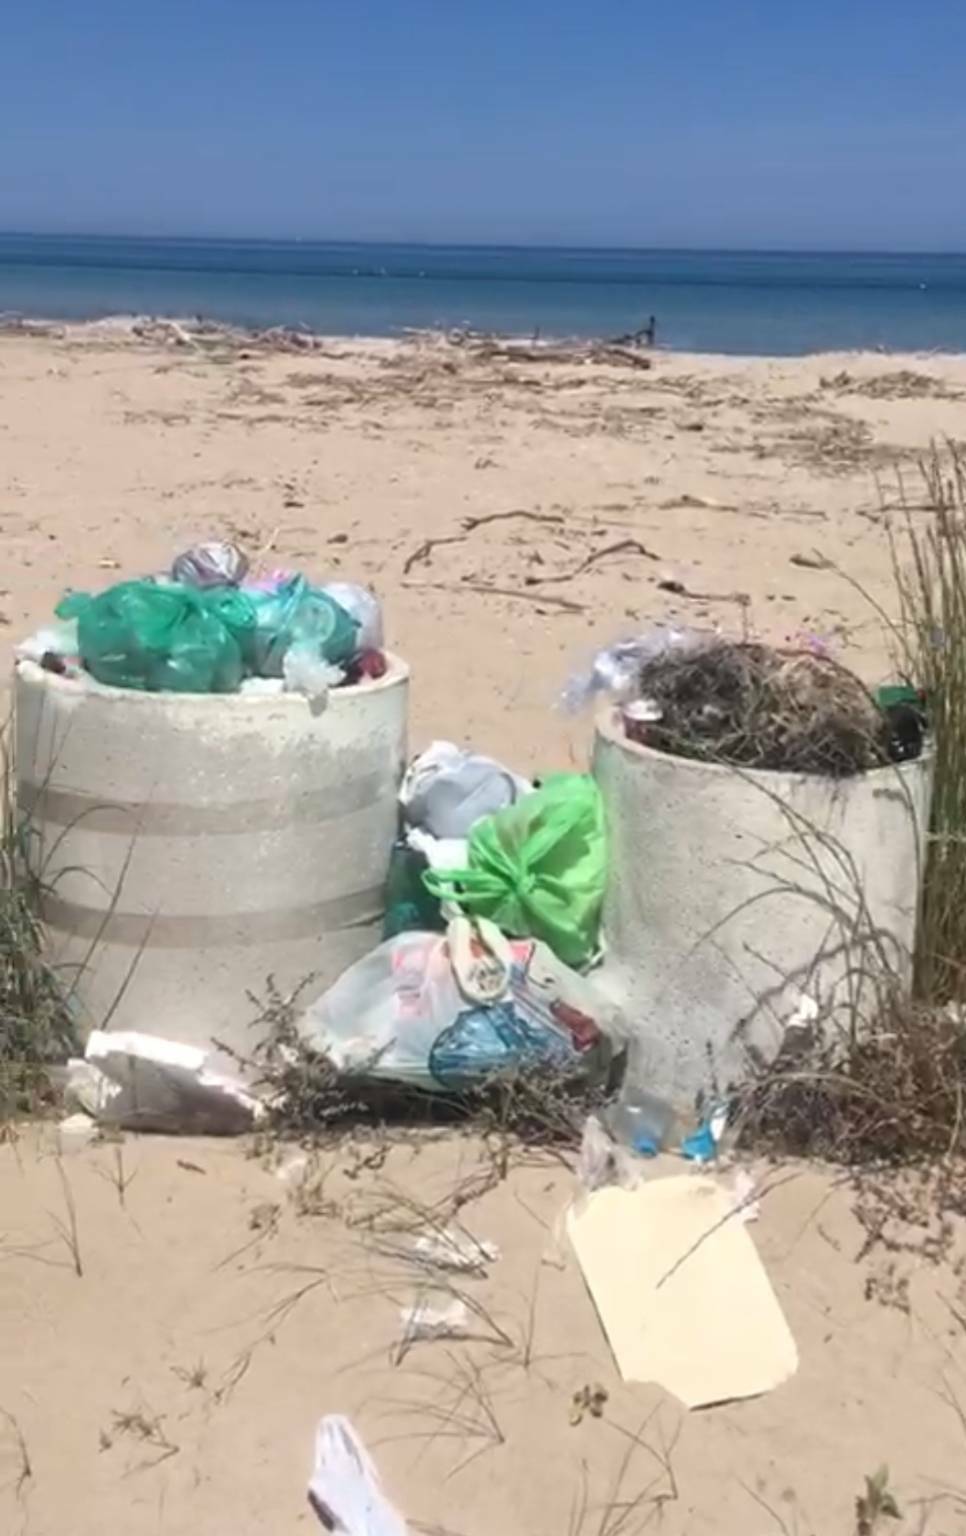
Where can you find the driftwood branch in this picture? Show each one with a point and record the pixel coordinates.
(423, 554)
(543, 599)
(469, 523)
(680, 590)
(623, 351)
(625, 547)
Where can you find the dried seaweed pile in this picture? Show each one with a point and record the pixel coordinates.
(757, 707)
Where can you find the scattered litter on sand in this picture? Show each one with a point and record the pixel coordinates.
(146, 1083)
(681, 1292)
(425, 1320)
(345, 1490)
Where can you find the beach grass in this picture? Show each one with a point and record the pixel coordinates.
(35, 1025)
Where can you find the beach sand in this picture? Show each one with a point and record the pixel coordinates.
(726, 472)
(173, 1385)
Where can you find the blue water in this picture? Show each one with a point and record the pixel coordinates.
(713, 301)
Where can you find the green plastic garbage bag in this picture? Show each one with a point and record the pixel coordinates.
(538, 868)
(298, 614)
(161, 637)
(236, 611)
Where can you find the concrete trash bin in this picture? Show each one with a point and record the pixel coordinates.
(733, 893)
(190, 846)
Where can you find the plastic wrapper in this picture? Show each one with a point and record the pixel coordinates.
(345, 1489)
(214, 564)
(614, 671)
(304, 671)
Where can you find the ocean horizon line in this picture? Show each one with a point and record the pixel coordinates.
(348, 242)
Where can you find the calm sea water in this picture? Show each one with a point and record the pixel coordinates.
(715, 301)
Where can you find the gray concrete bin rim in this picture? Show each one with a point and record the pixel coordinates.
(610, 726)
(397, 671)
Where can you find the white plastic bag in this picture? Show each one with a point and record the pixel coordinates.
(57, 639)
(305, 671)
(446, 791)
(399, 1014)
(345, 1490)
(363, 606)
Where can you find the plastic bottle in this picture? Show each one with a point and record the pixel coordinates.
(642, 1121)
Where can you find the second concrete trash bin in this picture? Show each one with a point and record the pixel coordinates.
(732, 892)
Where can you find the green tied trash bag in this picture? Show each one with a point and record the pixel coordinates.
(538, 868)
(163, 636)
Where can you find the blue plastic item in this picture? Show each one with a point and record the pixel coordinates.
(483, 1041)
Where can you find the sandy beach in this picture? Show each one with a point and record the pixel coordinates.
(756, 484)
(166, 1350)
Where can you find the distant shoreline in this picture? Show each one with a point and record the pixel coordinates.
(781, 304)
(210, 335)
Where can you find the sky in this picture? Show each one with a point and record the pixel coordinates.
(802, 124)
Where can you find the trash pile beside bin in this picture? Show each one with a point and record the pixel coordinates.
(501, 988)
(517, 913)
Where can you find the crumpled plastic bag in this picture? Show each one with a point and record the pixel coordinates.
(214, 564)
(162, 636)
(364, 607)
(614, 670)
(446, 791)
(538, 869)
(52, 643)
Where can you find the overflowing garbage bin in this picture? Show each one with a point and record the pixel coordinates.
(208, 765)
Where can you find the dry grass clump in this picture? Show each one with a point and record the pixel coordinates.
(932, 638)
(35, 1025)
(752, 706)
(889, 1089)
(308, 1097)
(892, 1091)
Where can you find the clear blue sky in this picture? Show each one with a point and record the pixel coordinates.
(785, 123)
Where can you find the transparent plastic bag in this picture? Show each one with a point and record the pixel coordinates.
(298, 614)
(615, 669)
(364, 607)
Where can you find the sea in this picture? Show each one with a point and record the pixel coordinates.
(756, 302)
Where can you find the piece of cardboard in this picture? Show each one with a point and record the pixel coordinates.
(681, 1292)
